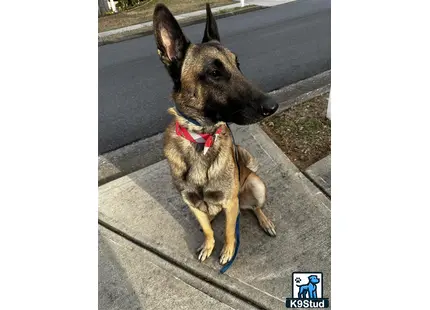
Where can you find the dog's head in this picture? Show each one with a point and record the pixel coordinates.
(208, 83)
(313, 279)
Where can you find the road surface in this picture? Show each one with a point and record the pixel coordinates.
(276, 46)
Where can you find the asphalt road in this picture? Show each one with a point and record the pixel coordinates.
(276, 46)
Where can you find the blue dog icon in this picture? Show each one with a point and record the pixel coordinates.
(309, 289)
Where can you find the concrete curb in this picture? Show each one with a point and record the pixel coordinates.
(320, 174)
(128, 35)
(130, 158)
(145, 152)
(302, 91)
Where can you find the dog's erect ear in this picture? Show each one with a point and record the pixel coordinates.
(171, 41)
(211, 29)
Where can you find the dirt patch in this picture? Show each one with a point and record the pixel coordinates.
(143, 12)
(303, 132)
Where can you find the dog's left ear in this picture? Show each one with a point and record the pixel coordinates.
(211, 29)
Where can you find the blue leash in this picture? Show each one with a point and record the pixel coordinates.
(237, 230)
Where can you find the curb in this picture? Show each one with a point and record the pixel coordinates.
(130, 158)
(145, 152)
(302, 91)
(183, 23)
(320, 174)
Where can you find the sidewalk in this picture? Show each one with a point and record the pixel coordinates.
(195, 14)
(160, 268)
(178, 17)
(131, 277)
(266, 2)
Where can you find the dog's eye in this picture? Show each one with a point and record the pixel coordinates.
(215, 73)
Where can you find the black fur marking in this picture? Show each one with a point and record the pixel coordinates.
(193, 197)
(213, 196)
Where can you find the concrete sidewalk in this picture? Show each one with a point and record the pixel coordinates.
(200, 13)
(178, 17)
(266, 2)
(144, 208)
(131, 277)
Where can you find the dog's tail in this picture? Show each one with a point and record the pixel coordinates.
(249, 161)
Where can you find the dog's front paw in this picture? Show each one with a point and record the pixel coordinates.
(227, 253)
(205, 250)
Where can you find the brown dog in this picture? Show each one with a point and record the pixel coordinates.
(209, 91)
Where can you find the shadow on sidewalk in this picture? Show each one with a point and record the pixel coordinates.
(115, 291)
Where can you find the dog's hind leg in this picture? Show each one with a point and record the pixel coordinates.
(266, 224)
(253, 196)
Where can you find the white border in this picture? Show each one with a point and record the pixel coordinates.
(49, 156)
(380, 153)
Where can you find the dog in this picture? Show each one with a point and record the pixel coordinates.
(309, 289)
(210, 91)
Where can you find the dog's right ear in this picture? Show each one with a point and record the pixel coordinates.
(171, 42)
(211, 29)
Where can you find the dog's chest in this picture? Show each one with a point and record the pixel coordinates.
(209, 183)
(197, 173)
(208, 174)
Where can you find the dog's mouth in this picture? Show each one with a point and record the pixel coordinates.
(245, 117)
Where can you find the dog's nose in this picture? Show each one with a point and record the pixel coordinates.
(269, 106)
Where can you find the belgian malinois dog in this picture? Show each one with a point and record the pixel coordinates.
(209, 91)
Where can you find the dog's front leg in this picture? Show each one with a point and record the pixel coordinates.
(208, 245)
(231, 211)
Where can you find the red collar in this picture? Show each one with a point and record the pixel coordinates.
(201, 138)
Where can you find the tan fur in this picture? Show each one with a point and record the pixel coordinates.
(247, 159)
